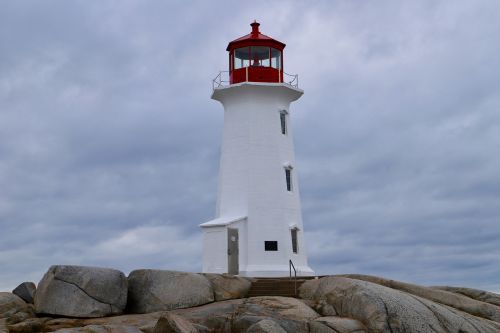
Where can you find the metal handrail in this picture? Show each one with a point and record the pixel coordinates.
(222, 79)
(291, 79)
(290, 266)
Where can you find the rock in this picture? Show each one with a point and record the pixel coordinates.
(382, 309)
(159, 290)
(317, 327)
(26, 291)
(227, 286)
(30, 325)
(3, 326)
(101, 329)
(457, 301)
(341, 325)
(13, 309)
(172, 323)
(84, 292)
(60, 323)
(145, 322)
(478, 295)
(217, 317)
(266, 326)
(284, 307)
(237, 316)
(289, 313)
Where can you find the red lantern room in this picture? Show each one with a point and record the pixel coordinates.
(255, 58)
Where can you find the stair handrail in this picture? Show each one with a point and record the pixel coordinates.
(290, 266)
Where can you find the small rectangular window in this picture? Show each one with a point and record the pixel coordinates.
(283, 122)
(295, 248)
(288, 176)
(271, 245)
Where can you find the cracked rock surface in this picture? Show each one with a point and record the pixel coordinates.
(227, 286)
(13, 309)
(383, 309)
(85, 292)
(159, 290)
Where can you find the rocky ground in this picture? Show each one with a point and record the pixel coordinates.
(72, 299)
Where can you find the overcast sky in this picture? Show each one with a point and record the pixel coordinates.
(109, 141)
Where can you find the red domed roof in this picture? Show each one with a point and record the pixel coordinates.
(255, 38)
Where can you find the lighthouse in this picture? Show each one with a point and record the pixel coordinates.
(257, 230)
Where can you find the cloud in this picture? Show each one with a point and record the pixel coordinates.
(109, 142)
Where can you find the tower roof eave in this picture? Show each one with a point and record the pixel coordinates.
(255, 40)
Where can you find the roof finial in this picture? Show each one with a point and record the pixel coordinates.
(255, 28)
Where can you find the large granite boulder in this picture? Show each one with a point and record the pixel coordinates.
(478, 295)
(457, 301)
(160, 290)
(382, 309)
(227, 286)
(26, 291)
(13, 309)
(78, 291)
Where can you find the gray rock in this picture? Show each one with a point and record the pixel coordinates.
(382, 309)
(318, 327)
(26, 291)
(13, 309)
(160, 290)
(457, 301)
(289, 313)
(144, 322)
(342, 325)
(217, 317)
(266, 326)
(227, 286)
(3, 326)
(172, 323)
(478, 295)
(237, 316)
(83, 292)
(29, 325)
(101, 329)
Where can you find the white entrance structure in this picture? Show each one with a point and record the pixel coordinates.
(258, 225)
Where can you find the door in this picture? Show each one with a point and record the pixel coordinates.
(232, 252)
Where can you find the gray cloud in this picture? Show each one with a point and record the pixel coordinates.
(109, 142)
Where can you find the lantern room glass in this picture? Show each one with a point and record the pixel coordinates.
(275, 58)
(260, 56)
(241, 57)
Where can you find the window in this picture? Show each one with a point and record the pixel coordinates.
(260, 56)
(241, 57)
(283, 122)
(288, 177)
(271, 245)
(295, 247)
(275, 58)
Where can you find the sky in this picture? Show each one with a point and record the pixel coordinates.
(110, 143)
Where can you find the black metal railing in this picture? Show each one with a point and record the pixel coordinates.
(291, 265)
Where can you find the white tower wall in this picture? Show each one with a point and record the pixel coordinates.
(253, 195)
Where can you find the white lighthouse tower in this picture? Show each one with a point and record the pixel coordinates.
(258, 226)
